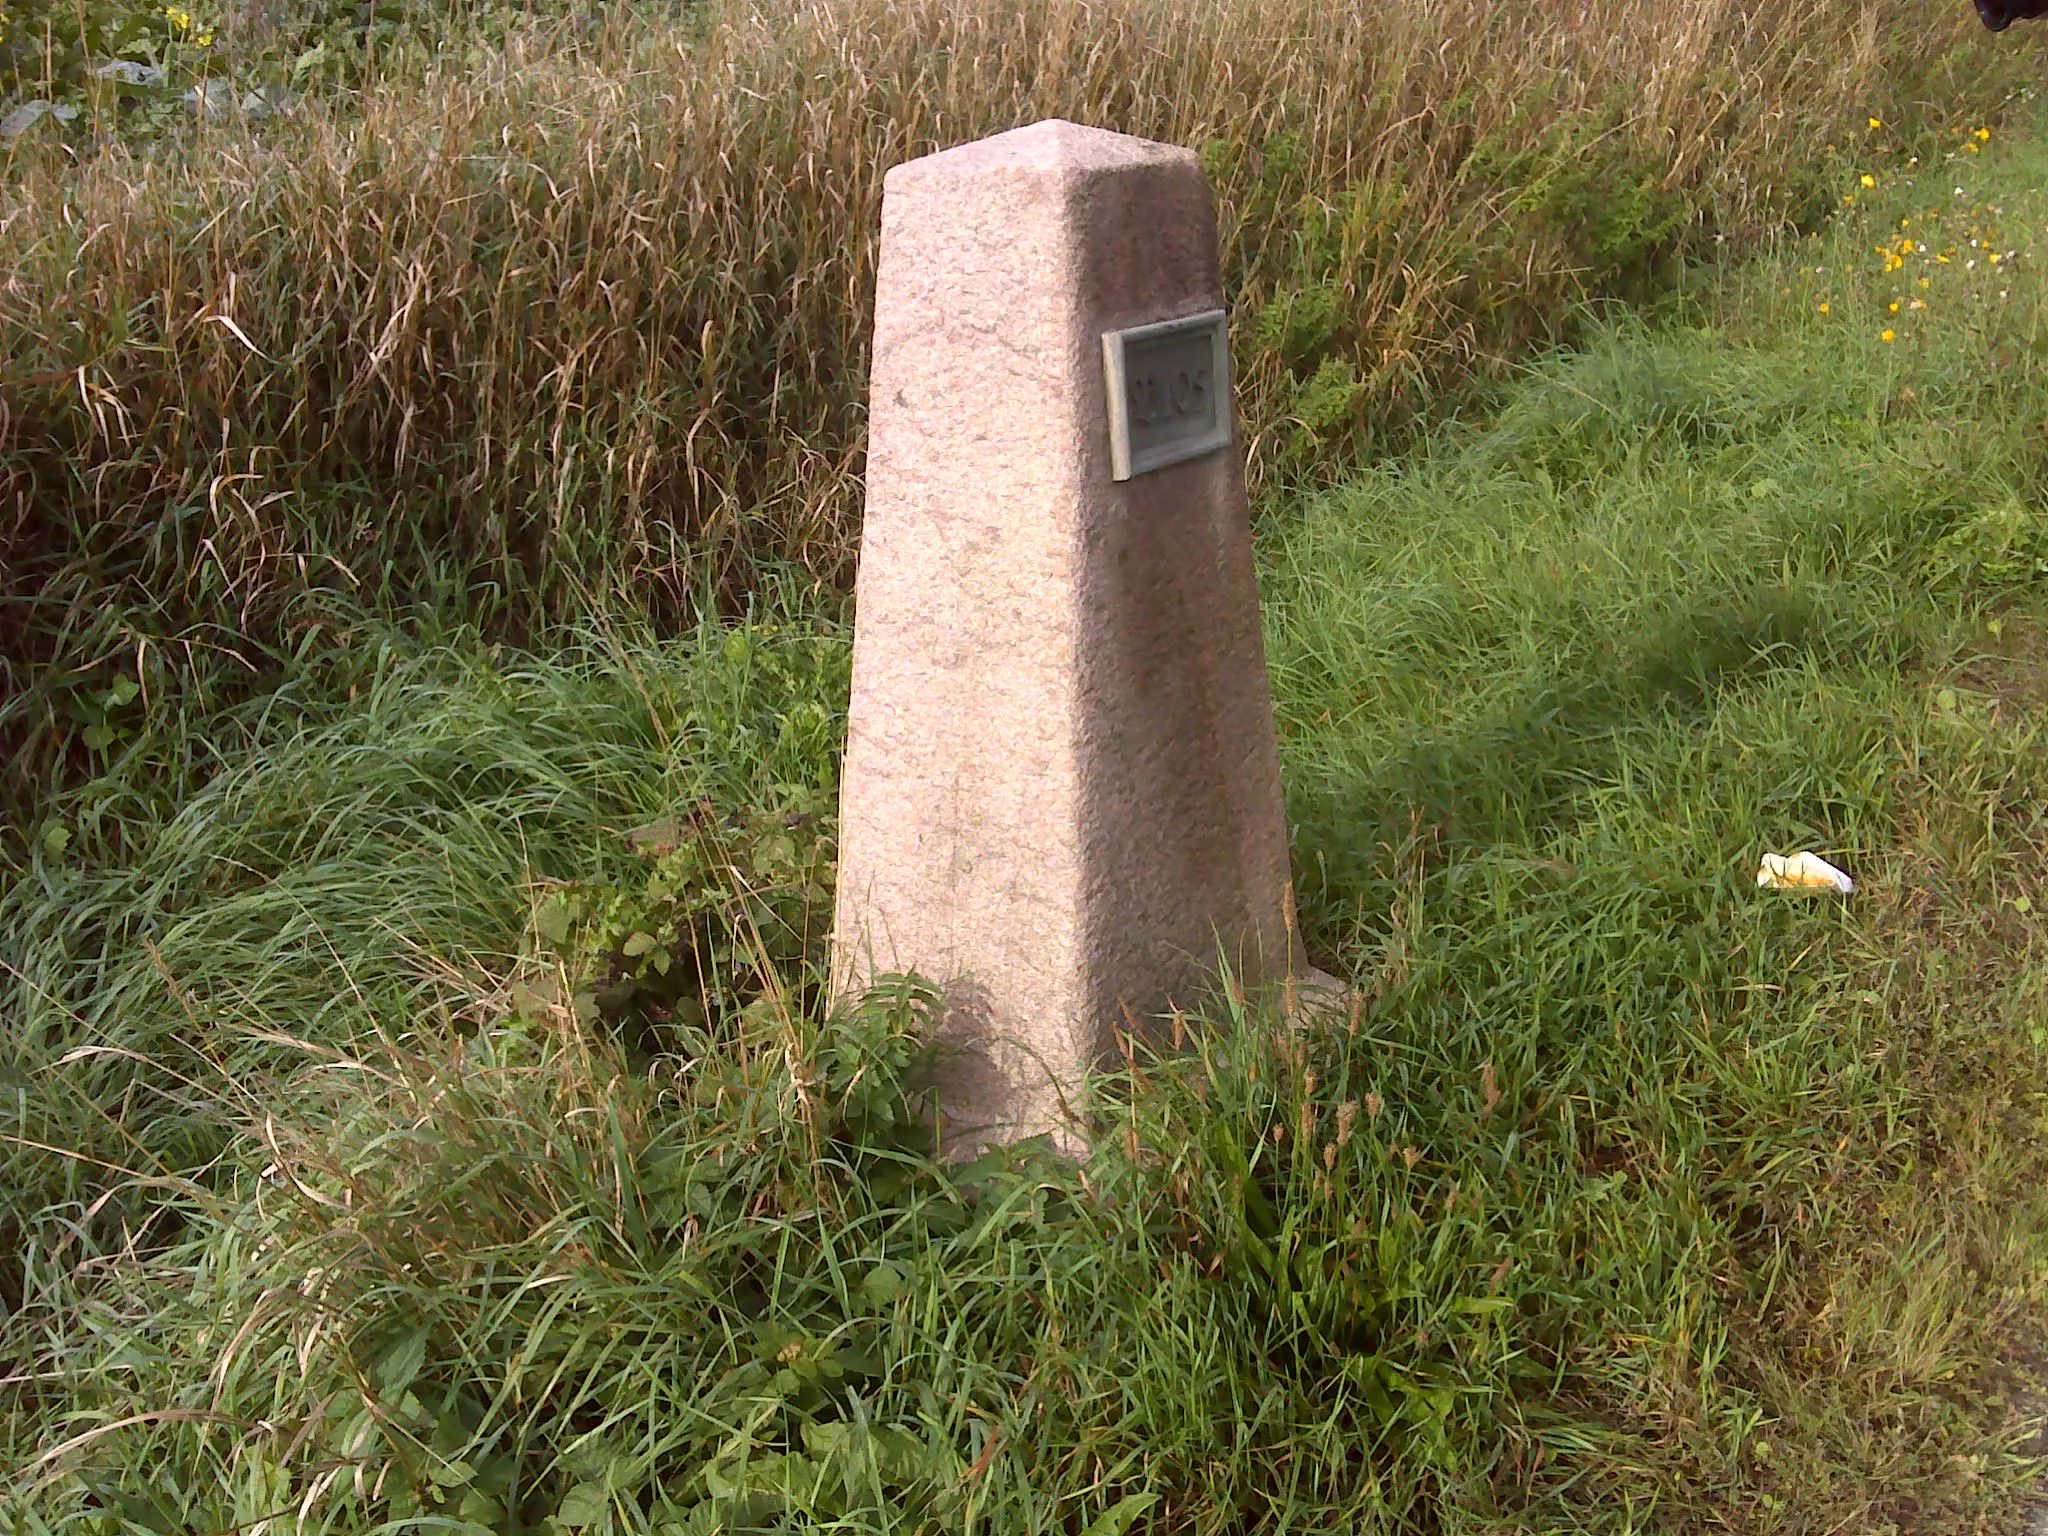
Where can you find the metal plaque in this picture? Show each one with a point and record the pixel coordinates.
(1169, 392)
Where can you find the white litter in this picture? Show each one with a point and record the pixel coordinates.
(1801, 872)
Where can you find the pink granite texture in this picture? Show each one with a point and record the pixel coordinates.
(1061, 795)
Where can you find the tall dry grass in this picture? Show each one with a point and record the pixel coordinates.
(590, 319)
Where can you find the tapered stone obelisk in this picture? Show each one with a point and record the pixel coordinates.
(1061, 795)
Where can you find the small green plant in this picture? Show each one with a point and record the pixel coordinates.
(1320, 409)
(734, 908)
(101, 714)
(2002, 545)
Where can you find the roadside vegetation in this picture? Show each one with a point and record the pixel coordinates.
(523, 318)
(418, 1112)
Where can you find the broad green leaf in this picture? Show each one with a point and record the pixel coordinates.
(827, 1440)
(584, 1504)
(401, 1363)
(556, 920)
(883, 1284)
(1117, 1519)
(899, 1455)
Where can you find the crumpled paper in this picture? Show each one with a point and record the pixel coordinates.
(1801, 872)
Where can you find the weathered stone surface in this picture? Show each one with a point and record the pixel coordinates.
(1061, 796)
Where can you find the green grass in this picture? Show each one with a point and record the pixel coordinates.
(397, 1187)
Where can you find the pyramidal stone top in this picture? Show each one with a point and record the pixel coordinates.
(1054, 145)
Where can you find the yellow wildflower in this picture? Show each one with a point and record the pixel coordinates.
(1875, 123)
(1884, 336)
(1823, 309)
(1984, 134)
(1867, 179)
(1894, 306)
(183, 20)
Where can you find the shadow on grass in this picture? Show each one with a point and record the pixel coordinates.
(1514, 775)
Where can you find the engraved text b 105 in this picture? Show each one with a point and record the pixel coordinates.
(1169, 392)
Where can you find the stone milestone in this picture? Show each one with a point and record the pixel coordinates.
(1061, 795)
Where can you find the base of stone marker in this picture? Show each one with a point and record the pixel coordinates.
(980, 1105)
(1314, 997)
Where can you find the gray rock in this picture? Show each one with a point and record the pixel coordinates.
(219, 100)
(216, 99)
(129, 72)
(268, 101)
(29, 113)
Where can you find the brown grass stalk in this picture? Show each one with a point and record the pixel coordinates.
(591, 321)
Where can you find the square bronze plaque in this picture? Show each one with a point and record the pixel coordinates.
(1169, 392)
